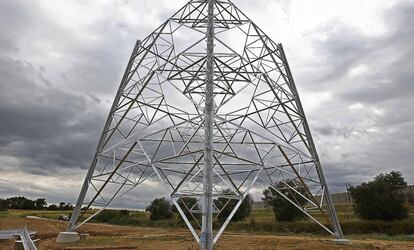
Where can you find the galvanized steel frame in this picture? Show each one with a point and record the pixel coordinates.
(245, 101)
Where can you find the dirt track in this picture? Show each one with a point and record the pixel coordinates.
(117, 237)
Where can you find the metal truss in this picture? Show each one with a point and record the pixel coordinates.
(208, 106)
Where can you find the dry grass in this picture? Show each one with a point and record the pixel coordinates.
(121, 237)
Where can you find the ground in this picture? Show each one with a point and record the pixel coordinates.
(121, 237)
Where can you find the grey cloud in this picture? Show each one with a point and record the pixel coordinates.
(43, 125)
(389, 58)
(359, 143)
(52, 111)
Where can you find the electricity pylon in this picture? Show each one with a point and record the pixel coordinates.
(209, 108)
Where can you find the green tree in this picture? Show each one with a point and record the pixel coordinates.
(62, 205)
(283, 209)
(160, 209)
(68, 206)
(226, 206)
(21, 203)
(40, 203)
(53, 207)
(381, 199)
(4, 204)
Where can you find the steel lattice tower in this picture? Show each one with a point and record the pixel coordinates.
(208, 107)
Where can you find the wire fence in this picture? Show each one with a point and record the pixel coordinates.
(343, 197)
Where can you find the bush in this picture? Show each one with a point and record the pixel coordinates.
(378, 227)
(106, 215)
(283, 210)
(309, 227)
(3, 204)
(242, 212)
(160, 209)
(190, 203)
(124, 213)
(381, 199)
(118, 217)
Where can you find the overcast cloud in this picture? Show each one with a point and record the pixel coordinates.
(61, 62)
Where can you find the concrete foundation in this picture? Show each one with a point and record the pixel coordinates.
(342, 242)
(67, 237)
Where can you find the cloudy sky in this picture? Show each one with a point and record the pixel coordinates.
(61, 62)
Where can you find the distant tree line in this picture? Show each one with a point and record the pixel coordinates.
(20, 202)
(380, 199)
(383, 198)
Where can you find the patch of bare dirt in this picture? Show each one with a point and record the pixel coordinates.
(120, 237)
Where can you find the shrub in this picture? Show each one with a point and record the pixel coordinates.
(187, 203)
(242, 212)
(124, 213)
(309, 227)
(160, 209)
(106, 215)
(283, 210)
(3, 204)
(118, 217)
(381, 199)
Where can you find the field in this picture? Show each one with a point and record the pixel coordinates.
(260, 231)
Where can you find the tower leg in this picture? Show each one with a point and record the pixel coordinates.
(84, 190)
(331, 207)
(206, 239)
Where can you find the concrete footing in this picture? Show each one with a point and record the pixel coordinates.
(342, 242)
(67, 237)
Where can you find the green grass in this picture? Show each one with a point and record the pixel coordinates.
(3, 214)
(263, 220)
(16, 213)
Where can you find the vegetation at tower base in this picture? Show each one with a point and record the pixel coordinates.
(260, 220)
(227, 207)
(381, 199)
(160, 209)
(119, 217)
(187, 204)
(3, 204)
(284, 210)
(411, 199)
